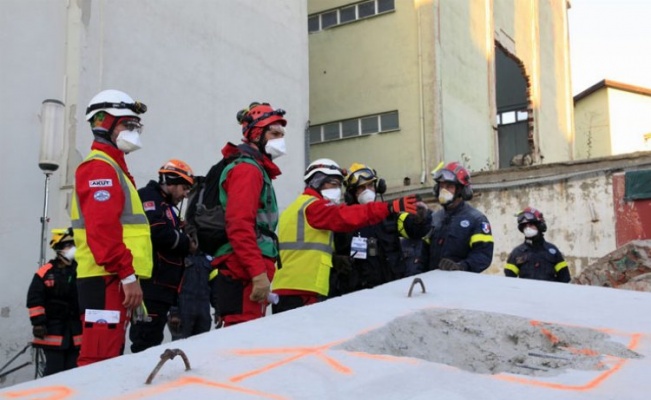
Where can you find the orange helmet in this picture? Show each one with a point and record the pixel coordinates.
(258, 116)
(176, 172)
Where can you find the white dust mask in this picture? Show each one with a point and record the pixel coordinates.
(334, 195)
(445, 196)
(530, 232)
(128, 141)
(276, 148)
(366, 196)
(69, 253)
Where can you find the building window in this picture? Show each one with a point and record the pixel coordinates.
(354, 127)
(348, 13)
(511, 117)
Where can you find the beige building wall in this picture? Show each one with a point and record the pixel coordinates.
(433, 62)
(612, 118)
(630, 121)
(592, 119)
(365, 68)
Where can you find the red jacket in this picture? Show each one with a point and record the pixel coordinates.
(103, 227)
(243, 186)
(322, 214)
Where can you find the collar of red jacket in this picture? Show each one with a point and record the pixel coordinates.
(113, 152)
(231, 150)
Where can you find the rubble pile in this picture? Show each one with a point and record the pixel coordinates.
(628, 267)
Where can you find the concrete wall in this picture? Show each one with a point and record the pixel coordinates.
(195, 63)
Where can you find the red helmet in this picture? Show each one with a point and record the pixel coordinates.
(531, 215)
(259, 115)
(456, 173)
(453, 172)
(176, 172)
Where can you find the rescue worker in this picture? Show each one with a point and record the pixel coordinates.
(110, 226)
(374, 250)
(53, 306)
(192, 314)
(307, 228)
(536, 258)
(461, 238)
(170, 247)
(246, 263)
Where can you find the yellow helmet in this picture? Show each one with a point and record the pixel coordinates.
(61, 237)
(360, 174)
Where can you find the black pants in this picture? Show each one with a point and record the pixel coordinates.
(57, 360)
(146, 334)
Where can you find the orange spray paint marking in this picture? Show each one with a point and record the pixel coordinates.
(300, 352)
(192, 380)
(48, 393)
(617, 365)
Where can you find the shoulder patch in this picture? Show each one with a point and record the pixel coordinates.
(100, 183)
(101, 195)
(168, 212)
(465, 223)
(486, 227)
(149, 205)
(552, 250)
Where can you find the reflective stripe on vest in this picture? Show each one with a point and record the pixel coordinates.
(306, 252)
(76, 340)
(135, 228)
(36, 311)
(49, 340)
(267, 216)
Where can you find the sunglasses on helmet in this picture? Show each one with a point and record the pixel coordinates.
(526, 217)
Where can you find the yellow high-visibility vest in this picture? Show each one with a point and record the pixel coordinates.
(305, 252)
(135, 228)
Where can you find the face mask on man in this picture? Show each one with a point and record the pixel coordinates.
(69, 253)
(334, 195)
(445, 196)
(128, 141)
(276, 148)
(366, 196)
(530, 232)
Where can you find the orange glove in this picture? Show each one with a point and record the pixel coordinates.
(404, 204)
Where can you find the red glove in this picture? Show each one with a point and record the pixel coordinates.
(404, 204)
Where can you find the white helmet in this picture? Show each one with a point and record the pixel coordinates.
(115, 103)
(325, 166)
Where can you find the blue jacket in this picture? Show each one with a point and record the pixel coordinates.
(537, 259)
(463, 235)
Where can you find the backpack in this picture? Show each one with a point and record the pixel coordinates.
(205, 219)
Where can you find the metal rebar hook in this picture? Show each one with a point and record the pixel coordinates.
(411, 288)
(168, 354)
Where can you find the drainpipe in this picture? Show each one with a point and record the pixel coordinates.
(423, 153)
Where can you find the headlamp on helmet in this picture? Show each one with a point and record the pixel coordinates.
(115, 103)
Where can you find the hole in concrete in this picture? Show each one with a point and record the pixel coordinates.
(491, 343)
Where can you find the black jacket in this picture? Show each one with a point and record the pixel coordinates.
(170, 245)
(537, 259)
(52, 302)
(463, 235)
(384, 261)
